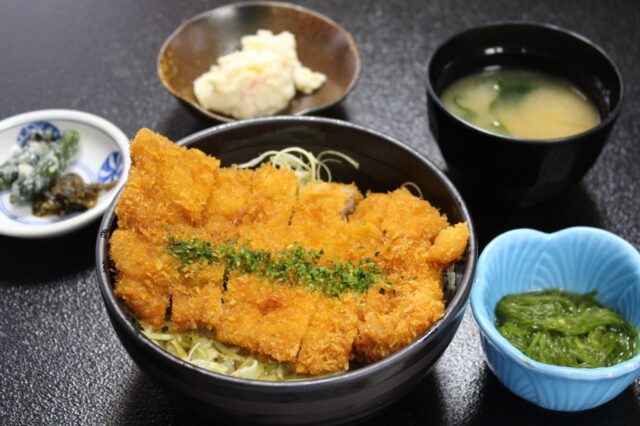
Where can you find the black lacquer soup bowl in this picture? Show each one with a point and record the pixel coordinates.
(522, 171)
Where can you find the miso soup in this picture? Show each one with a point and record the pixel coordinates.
(521, 103)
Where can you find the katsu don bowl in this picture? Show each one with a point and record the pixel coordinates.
(385, 254)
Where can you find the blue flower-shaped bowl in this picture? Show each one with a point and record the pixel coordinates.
(578, 260)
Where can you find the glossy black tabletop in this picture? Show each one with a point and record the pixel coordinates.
(60, 361)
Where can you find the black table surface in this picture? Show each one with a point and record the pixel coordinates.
(60, 360)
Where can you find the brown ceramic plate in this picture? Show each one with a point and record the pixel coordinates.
(322, 45)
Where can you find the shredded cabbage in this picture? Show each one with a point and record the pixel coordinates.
(450, 281)
(199, 347)
(307, 166)
(416, 189)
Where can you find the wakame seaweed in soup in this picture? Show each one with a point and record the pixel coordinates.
(523, 104)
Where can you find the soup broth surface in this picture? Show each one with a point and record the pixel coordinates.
(523, 104)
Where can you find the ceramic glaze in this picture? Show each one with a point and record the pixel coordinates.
(103, 157)
(577, 260)
(322, 45)
(498, 166)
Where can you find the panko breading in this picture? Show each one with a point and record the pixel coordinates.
(162, 189)
(319, 221)
(174, 193)
(270, 208)
(264, 318)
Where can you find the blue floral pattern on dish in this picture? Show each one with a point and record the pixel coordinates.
(111, 169)
(37, 126)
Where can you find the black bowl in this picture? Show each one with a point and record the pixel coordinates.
(524, 171)
(385, 163)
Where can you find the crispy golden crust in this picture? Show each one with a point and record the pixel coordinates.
(184, 193)
(196, 298)
(144, 275)
(397, 315)
(167, 185)
(319, 221)
(270, 209)
(449, 245)
(148, 304)
(228, 203)
(327, 344)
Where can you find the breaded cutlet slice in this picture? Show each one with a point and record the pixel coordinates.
(148, 304)
(319, 219)
(266, 223)
(145, 274)
(406, 228)
(263, 317)
(287, 313)
(196, 299)
(399, 214)
(397, 315)
(150, 280)
(137, 257)
(326, 202)
(167, 185)
(274, 194)
(449, 245)
(327, 346)
(228, 202)
(394, 316)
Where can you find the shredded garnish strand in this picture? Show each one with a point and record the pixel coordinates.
(307, 166)
(416, 188)
(200, 348)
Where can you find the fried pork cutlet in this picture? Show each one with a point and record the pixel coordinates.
(167, 187)
(312, 276)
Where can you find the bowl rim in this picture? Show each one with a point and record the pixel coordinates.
(277, 4)
(489, 330)
(608, 119)
(454, 308)
(71, 222)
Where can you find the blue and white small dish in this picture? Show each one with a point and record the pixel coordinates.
(577, 260)
(103, 157)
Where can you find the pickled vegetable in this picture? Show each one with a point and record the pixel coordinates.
(567, 329)
(70, 194)
(24, 157)
(44, 173)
